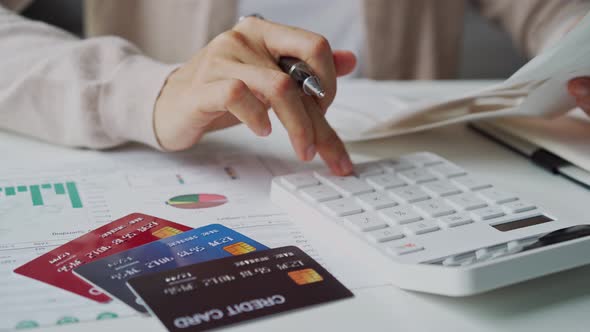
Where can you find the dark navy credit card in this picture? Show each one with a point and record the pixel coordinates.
(217, 293)
(193, 246)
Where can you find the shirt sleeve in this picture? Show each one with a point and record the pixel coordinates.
(533, 23)
(94, 93)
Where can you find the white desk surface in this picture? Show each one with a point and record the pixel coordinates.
(560, 301)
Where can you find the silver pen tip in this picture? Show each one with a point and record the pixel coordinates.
(312, 87)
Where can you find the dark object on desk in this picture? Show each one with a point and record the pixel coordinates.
(193, 246)
(225, 291)
(562, 235)
(537, 154)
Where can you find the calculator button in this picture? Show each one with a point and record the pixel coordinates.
(409, 194)
(441, 188)
(420, 227)
(423, 159)
(385, 181)
(482, 254)
(348, 185)
(368, 169)
(447, 170)
(418, 175)
(400, 215)
(298, 181)
(434, 208)
(514, 246)
(455, 220)
(497, 196)
(319, 193)
(384, 234)
(376, 200)
(518, 206)
(365, 222)
(342, 207)
(488, 213)
(459, 260)
(500, 253)
(395, 166)
(467, 201)
(528, 241)
(470, 183)
(399, 249)
(489, 252)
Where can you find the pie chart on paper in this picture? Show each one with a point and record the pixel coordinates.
(197, 201)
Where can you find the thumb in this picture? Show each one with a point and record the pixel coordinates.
(345, 61)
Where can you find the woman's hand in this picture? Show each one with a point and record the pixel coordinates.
(579, 88)
(235, 78)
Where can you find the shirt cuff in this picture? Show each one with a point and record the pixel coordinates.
(127, 100)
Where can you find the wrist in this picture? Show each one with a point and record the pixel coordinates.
(128, 100)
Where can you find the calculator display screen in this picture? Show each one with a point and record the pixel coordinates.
(505, 227)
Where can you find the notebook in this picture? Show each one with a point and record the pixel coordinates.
(561, 144)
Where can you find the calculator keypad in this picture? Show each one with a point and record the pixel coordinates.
(376, 200)
(385, 234)
(365, 222)
(393, 203)
(400, 215)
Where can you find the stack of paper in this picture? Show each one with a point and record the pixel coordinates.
(538, 89)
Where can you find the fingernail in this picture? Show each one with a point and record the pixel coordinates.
(345, 165)
(580, 88)
(266, 131)
(310, 152)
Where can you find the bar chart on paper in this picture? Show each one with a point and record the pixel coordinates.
(58, 206)
(40, 210)
(36, 192)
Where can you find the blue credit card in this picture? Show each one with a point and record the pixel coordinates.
(194, 246)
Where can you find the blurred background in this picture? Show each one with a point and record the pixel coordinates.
(487, 51)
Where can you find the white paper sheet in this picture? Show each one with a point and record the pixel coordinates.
(112, 185)
(538, 89)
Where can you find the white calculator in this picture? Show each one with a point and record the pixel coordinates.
(444, 230)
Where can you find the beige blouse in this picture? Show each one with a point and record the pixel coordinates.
(100, 92)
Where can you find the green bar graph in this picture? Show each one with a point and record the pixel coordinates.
(59, 189)
(36, 195)
(10, 191)
(74, 195)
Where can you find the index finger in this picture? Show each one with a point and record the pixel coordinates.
(329, 145)
(281, 40)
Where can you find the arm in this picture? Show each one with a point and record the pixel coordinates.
(534, 24)
(101, 92)
(94, 93)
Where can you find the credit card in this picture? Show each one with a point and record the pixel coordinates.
(210, 295)
(194, 246)
(55, 267)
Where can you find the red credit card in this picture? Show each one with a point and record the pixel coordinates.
(55, 267)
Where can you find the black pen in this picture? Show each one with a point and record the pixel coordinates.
(303, 75)
(298, 70)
